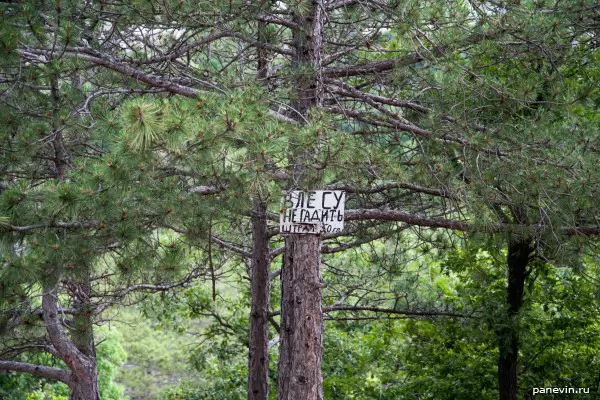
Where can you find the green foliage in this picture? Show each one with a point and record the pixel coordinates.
(220, 326)
(111, 355)
(20, 386)
(362, 360)
(156, 358)
(222, 375)
(47, 392)
(143, 123)
(456, 358)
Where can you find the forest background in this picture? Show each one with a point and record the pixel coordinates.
(145, 147)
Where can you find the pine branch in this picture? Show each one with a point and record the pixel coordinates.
(372, 99)
(346, 3)
(458, 225)
(583, 231)
(19, 317)
(205, 190)
(176, 86)
(325, 249)
(107, 61)
(428, 313)
(231, 247)
(404, 61)
(275, 325)
(263, 45)
(401, 216)
(394, 185)
(58, 374)
(270, 19)
(52, 224)
(215, 239)
(155, 288)
(183, 50)
(376, 120)
(350, 215)
(373, 67)
(347, 90)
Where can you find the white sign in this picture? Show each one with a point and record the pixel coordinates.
(312, 211)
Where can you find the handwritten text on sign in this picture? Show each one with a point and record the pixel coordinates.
(312, 211)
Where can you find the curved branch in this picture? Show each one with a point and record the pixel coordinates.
(52, 224)
(394, 185)
(107, 61)
(458, 225)
(183, 50)
(401, 216)
(417, 313)
(429, 313)
(404, 61)
(59, 374)
(349, 91)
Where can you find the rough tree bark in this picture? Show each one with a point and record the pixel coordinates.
(258, 349)
(508, 334)
(258, 353)
(301, 288)
(83, 384)
(302, 320)
(307, 63)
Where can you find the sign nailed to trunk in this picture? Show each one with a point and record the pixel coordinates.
(312, 211)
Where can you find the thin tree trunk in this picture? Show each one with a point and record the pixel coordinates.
(302, 320)
(258, 353)
(508, 335)
(83, 334)
(262, 65)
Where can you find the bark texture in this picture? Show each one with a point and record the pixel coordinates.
(258, 355)
(83, 384)
(38, 370)
(508, 335)
(308, 59)
(302, 320)
(301, 329)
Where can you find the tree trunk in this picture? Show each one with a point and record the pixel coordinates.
(508, 335)
(507, 365)
(258, 351)
(83, 338)
(83, 334)
(258, 354)
(301, 329)
(83, 384)
(308, 59)
(302, 320)
(262, 65)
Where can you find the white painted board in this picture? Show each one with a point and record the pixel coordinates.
(312, 211)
